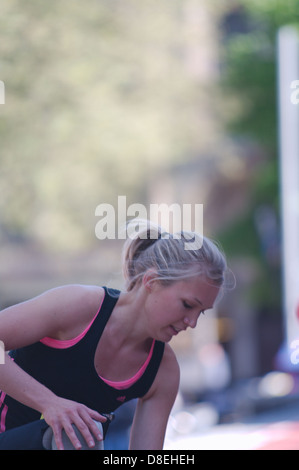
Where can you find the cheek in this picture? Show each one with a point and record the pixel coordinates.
(158, 311)
(153, 308)
(165, 304)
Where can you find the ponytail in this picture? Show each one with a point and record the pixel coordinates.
(135, 246)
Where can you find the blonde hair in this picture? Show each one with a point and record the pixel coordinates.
(166, 254)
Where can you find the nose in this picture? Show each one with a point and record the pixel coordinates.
(191, 322)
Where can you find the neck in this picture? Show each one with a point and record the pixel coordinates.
(128, 320)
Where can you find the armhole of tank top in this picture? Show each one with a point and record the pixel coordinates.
(64, 344)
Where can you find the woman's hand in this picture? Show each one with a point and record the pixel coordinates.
(61, 414)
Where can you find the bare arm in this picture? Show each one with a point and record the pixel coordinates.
(55, 313)
(153, 410)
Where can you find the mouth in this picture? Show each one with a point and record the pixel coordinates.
(176, 330)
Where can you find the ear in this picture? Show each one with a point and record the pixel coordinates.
(149, 278)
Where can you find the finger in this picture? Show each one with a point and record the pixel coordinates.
(86, 428)
(58, 437)
(96, 429)
(96, 416)
(93, 425)
(70, 432)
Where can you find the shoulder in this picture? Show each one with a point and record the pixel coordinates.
(58, 313)
(69, 308)
(77, 294)
(169, 361)
(169, 369)
(167, 379)
(153, 410)
(70, 299)
(77, 304)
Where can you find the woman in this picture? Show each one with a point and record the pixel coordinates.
(79, 352)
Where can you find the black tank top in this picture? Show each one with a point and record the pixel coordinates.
(70, 372)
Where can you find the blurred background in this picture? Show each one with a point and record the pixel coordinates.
(162, 102)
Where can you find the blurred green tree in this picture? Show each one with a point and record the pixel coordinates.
(249, 83)
(97, 96)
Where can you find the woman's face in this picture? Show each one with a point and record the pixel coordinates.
(172, 309)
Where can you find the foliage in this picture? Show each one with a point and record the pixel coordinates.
(250, 68)
(98, 95)
(249, 64)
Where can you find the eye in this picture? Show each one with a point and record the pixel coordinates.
(186, 305)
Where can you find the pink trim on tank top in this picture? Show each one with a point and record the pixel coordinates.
(2, 397)
(4, 410)
(64, 344)
(121, 385)
(2, 419)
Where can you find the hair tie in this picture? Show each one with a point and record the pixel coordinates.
(166, 235)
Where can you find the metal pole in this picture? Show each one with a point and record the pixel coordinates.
(288, 72)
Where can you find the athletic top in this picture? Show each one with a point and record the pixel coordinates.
(67, 368)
